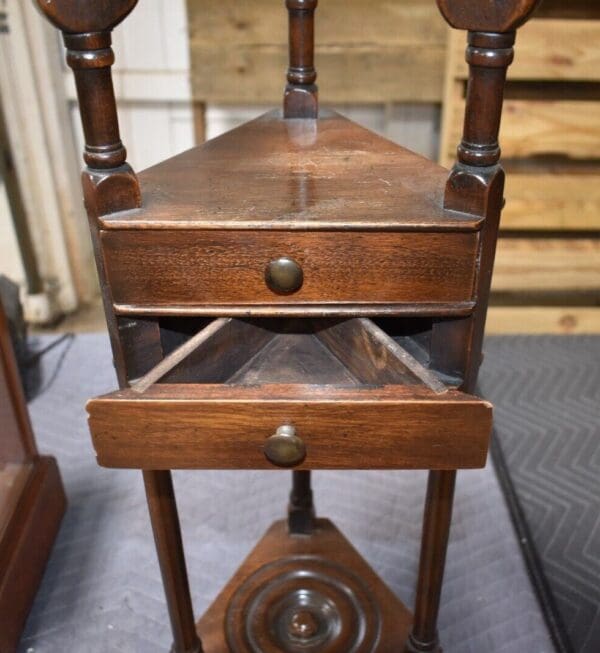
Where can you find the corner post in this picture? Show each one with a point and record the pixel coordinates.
(301, 98)
(110, 185)
(475, 185)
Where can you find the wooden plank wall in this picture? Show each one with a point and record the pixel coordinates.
(367, 52)
(547, 275)
(549, 254)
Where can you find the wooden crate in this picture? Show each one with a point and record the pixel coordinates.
(547, 275)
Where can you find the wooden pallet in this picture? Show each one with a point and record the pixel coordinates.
(375, 52)
(549, 254)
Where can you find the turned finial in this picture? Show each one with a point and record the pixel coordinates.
(86, 28)
(301, 93)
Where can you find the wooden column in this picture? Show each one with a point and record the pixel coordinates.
(434, 542)
(169, 546)
(110, 185)
(301, 93)
(475, 186)
(301, 510)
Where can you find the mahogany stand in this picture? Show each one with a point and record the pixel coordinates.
(297, 293)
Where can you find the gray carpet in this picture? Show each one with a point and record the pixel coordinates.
(547, 396)
(102, 590)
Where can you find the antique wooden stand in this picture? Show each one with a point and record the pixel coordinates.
(298, 293)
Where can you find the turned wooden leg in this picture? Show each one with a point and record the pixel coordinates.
(301, 510)
(169, 547)
(434, 542)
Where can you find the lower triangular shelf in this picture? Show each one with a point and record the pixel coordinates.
(305, 594)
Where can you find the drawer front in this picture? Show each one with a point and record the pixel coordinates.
(361, 429)
(218, 268)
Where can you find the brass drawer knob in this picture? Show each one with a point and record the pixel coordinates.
(284, 275)
(285, 448)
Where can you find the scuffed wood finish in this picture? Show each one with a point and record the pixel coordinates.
(280, 174)
(221, 355)
(179, 268)
(140, 342)
(375, 229)
(216, 427)
(294, 358)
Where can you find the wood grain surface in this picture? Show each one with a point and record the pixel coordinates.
(220, 427)
(274, 174)
(326, 543)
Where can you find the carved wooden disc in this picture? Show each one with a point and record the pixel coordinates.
(303, 604)
(305, 594)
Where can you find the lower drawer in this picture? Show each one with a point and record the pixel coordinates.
(217, 427)
(260, 395)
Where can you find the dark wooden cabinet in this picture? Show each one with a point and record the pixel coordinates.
(297, 293)
(32, 501)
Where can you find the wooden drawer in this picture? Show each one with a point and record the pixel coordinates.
(355, 398)
(165, 270)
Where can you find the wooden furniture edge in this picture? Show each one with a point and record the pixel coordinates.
(26, 546)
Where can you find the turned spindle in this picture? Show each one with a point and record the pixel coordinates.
(301, 93)
(86, 32)
(109, 182)
(91, 57)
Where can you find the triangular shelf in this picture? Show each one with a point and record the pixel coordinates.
(272, 173)
(297, 593)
